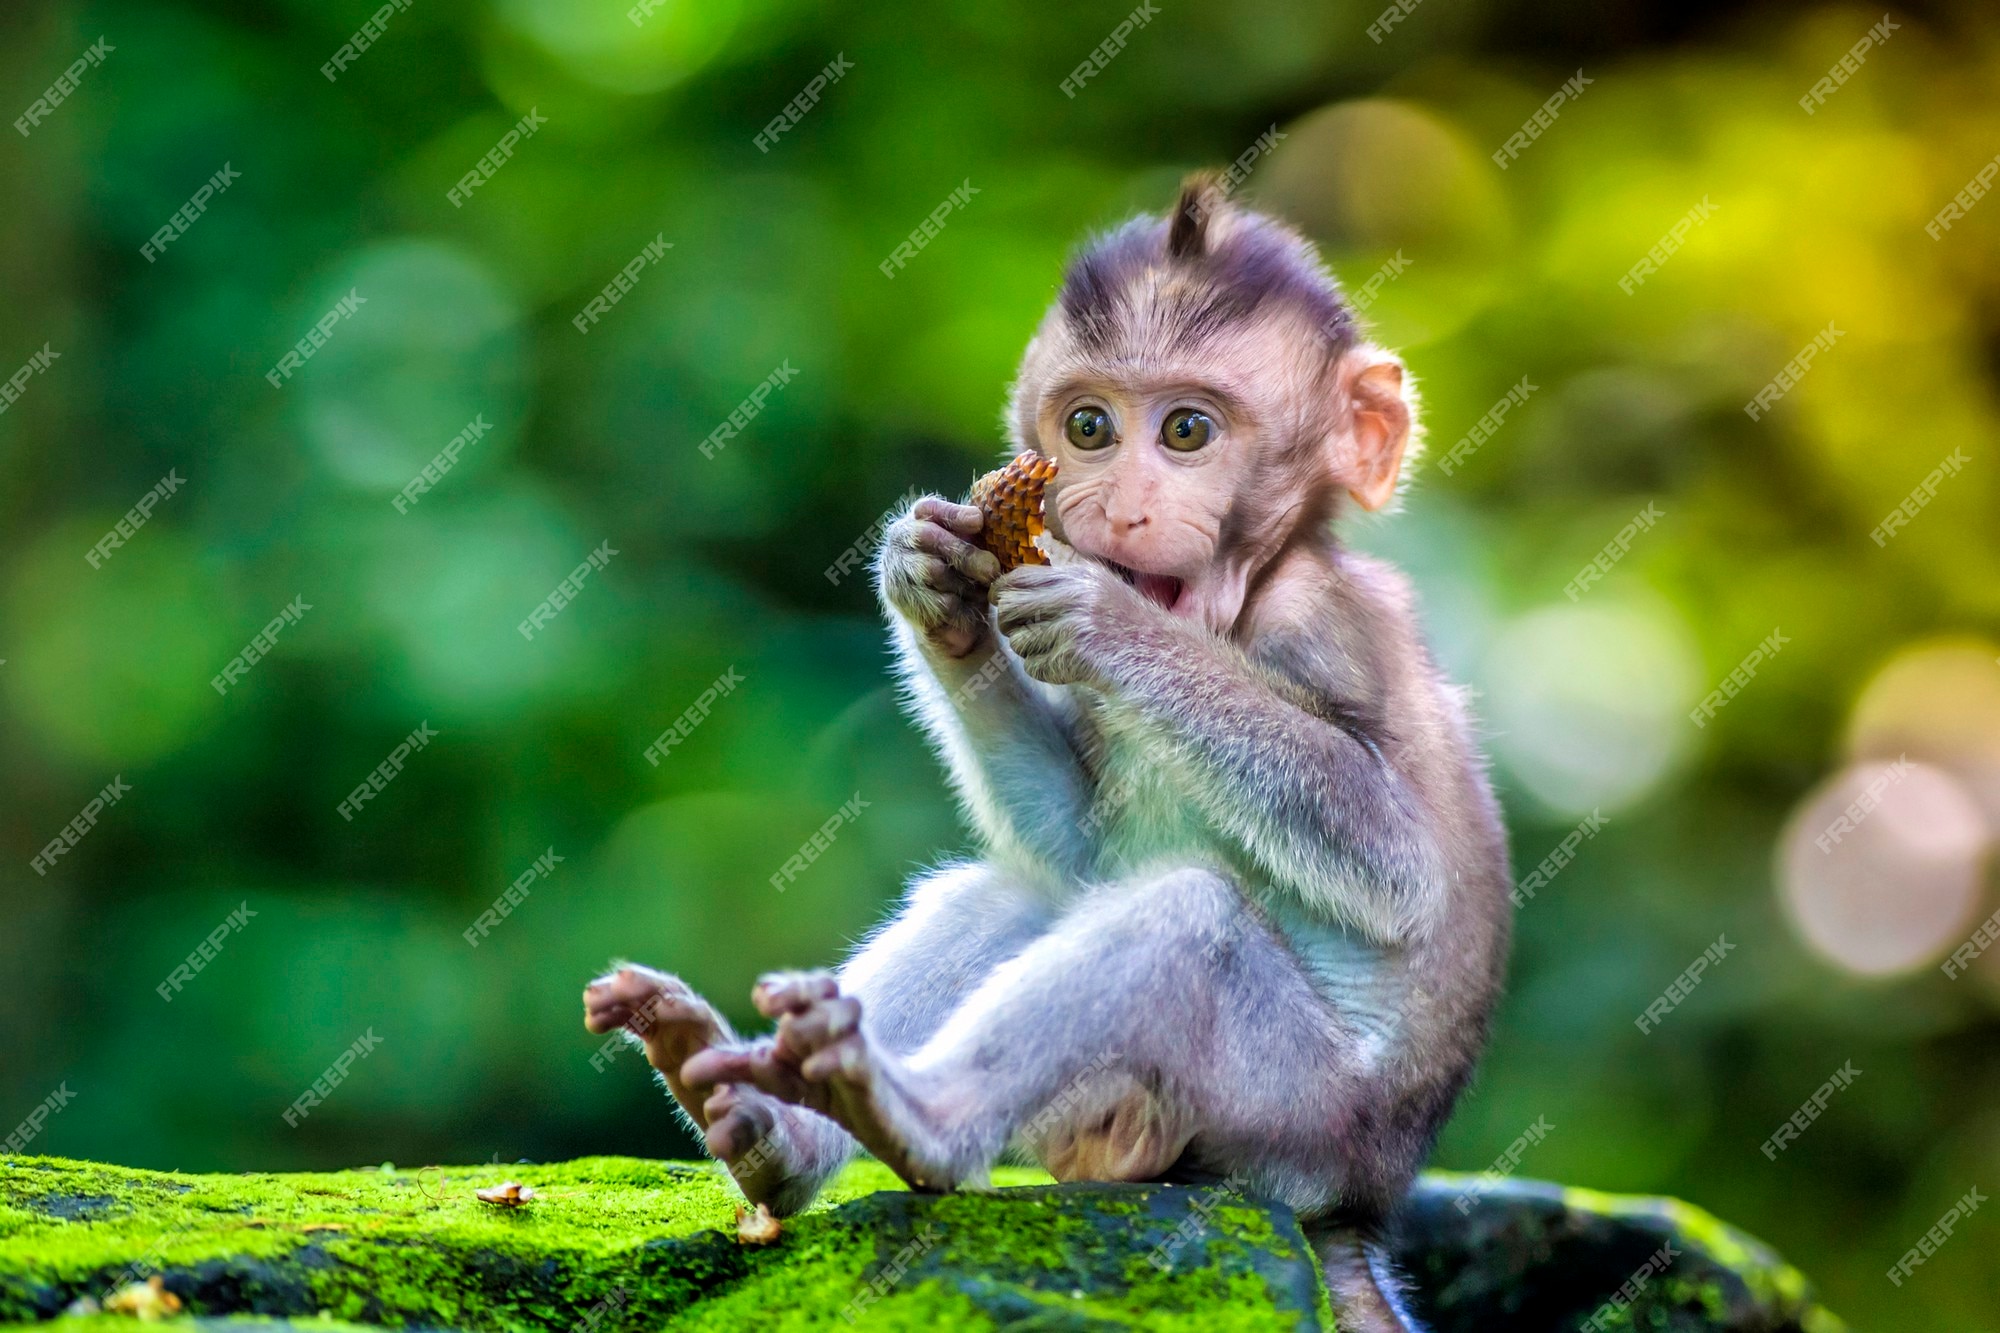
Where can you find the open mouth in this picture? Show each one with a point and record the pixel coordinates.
(1163, 589)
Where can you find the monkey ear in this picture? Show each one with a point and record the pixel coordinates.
(1381, 399)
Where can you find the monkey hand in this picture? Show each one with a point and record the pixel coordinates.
(1064, 621)
(934, 577)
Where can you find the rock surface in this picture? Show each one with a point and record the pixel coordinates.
(615, 1243)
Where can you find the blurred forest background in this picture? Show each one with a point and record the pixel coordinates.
(1491, 279)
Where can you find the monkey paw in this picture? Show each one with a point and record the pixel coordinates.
(933, 575)
(821, 1059)
(1058, 619)
(751, 1134)
(662, 1011)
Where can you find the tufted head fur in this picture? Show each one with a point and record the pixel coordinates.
(1232, 311)
(1177, 281)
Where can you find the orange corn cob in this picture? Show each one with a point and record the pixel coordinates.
(1011, 499)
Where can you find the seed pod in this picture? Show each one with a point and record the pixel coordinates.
(1011, 500)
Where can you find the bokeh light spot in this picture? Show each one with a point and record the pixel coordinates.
(1880, 867)
(1588, 702)
(1939, 702)
(452, 590)
(601, 45)
(112, 665)
(435, 344)
(1367, 178)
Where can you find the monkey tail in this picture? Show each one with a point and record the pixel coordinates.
(1367, 1291)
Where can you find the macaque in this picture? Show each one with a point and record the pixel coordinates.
(1240, 906)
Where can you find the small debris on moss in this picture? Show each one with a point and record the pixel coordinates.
(148, 1300)
(508, 1194)
(758, 1227)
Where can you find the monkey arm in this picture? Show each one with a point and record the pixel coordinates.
(1282, 769)
(1301, 787)
(1009, 753)
(1001, 736)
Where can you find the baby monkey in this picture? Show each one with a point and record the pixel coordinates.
(1240, 910)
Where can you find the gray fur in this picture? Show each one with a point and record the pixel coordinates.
(1241, 903)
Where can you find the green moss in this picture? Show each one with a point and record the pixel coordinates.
(114, 1323)
(614, 1243)
(1060, 1258)
(1770, 1280)
(632, 1243)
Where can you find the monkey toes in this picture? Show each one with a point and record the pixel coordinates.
(662, 1011)
(821, 1059)
(778, 993)
(819, 1029)
(747, 1134)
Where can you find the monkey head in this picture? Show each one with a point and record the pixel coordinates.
(1205, 391)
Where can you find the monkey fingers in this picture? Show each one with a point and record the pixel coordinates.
(1040, 640)
(1042, 617)
(1015, 613)
(937, 576)
(1049, 654)
(965, 520)
(974, 562)
(1035, 593)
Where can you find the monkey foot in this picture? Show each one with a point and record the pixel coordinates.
(754, 1136)
(664, 1013)
(820, 1059)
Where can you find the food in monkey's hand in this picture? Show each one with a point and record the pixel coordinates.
(1010, 499)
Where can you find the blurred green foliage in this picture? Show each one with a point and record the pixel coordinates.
(1501, 276)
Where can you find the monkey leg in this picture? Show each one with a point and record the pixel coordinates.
(754, 1136)
(1171, 980)
(957, 924)
(1368, 1293)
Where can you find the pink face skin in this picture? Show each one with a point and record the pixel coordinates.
(1152, 511)
(1192, 527)
(1189, 527)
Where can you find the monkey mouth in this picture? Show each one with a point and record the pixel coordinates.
(1163, 589)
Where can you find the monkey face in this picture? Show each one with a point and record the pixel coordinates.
(1144, 480)
(1183, 472)
(1206, 395)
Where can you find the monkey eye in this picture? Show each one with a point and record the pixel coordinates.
(1088, 428)
(1186, 430)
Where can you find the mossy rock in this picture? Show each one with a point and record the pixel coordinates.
(615, 1243)
(1530, 1256)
